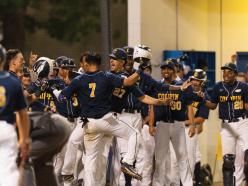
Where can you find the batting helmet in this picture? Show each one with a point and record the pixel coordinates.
(142, 53)
(43, 67)
(199, 74)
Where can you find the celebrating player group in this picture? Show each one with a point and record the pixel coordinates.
(121, 127)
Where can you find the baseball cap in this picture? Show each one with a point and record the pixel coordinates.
(26, 71)
(168, 63)
(230, 66)
(129, 50)
(118, 53)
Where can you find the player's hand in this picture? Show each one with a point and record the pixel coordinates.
(144, 63)
(145, 121)
(24, 148)
(166, 101)
(32, 58)
(201, 94)
(152, 130)
(185, 85)
(199, 128)
(191, 131)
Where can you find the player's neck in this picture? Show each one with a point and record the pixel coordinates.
(93, 69)
(230, 83)
(12, 69)
(168, 80)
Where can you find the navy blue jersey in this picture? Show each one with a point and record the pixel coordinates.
(147, 85)
(68, 107)
(45, 98)
(231, 99)
(123, 97)
(94, 92)
(11, 97)
(181, 100)
(178, 110)
(200, 110)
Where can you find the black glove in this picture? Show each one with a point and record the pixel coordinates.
(144, 63)
(42, 84)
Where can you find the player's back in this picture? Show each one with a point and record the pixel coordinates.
(94, 91)
(11, 97)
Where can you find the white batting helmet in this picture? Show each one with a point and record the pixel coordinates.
(43, 67)
(142, 52)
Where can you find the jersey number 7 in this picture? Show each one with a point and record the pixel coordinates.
(92, 86)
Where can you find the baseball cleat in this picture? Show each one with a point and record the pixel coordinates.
(67, 178)
(130, 170)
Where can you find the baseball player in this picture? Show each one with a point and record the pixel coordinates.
(25, 78)
(239, 158)
(123, 102)
(201, 112)
(14, 62)
(12, 101)
(170, 127)
(232, 98)
(94, 89)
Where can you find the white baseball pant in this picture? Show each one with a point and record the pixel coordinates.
(230, 132)
(98, 133)
(9, 174)
(235, 134)
(134, 120)
(191, 153)
(73, 156)
(174, 132)
(59, 158)
(239, 164)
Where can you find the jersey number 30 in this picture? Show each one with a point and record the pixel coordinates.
(2, 97)
(92, 86)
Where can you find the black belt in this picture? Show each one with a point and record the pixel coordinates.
(132, 111)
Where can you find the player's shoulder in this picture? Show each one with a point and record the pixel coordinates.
(7, 77)
(177, 82)
(242, 84)
(218, 84)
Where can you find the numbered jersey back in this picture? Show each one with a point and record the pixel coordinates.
(11, 97)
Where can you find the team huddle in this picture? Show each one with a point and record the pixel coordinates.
(121, 125)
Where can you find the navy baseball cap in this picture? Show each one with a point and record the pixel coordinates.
(129, 50)
(231, 66)
(119, 53)
(168, 64)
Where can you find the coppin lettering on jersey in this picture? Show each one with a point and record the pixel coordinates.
(172, 96)
(237, 101)
(46, 96)
(176, 104)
